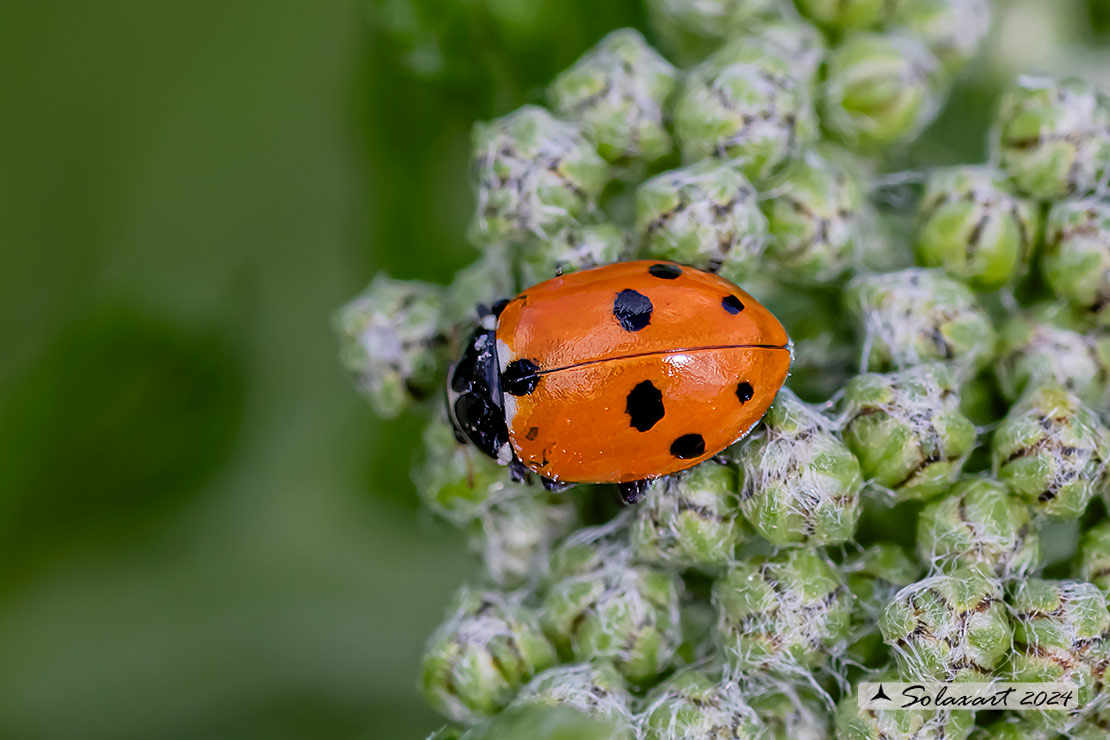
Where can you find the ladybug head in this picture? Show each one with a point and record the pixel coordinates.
(474, 400)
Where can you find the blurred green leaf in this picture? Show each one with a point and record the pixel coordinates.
(1099, 12)
(117, 423)
(386, 469)
(433, 69)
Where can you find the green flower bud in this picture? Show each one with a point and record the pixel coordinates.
(477, 659)
(907, 430)
(458, 482)
(691, 706)
(948, 627)
(1013, 728)
(744, 104)
(483, 282)
(979, 523)
(1034, 352)
(704, 215)
(973, 228)
(692, 29)
(1092, 726)
(873, 577)
(784, 615)
(815, 221)
(917, 315)
(691, 519)
(846, 15)
(584, 552)
(793, 39)
(853, 723)
(572, 249)
(1053, 136)
(513, 537)
(1076, 260)
(880, 90)
(953, 29)
(787, 712)
(617, 91)
(801, 483)
(1090, 722)
(596, 689)
(602, 607)
(534, 174)
(1052, 451)
(389, 341)
(1094, 556)
(1061, 633)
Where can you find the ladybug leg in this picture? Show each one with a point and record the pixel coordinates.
(517, 471)
(555, 486)
(719, 459)
(632, 491)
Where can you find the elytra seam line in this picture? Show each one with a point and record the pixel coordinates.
(690, 350)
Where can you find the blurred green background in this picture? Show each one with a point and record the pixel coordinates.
(203, 531)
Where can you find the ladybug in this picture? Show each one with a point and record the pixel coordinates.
(619, 374)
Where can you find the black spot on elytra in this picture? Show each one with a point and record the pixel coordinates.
(744, 392)
(732, 304)
(520, 377)
(666, 272)
(632, 309)
(688, 446)
(644, 406)
(531, 433)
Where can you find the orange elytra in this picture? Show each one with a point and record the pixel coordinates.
(619, 374)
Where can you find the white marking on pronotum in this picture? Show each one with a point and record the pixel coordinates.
(504, 354)
(509, 406)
